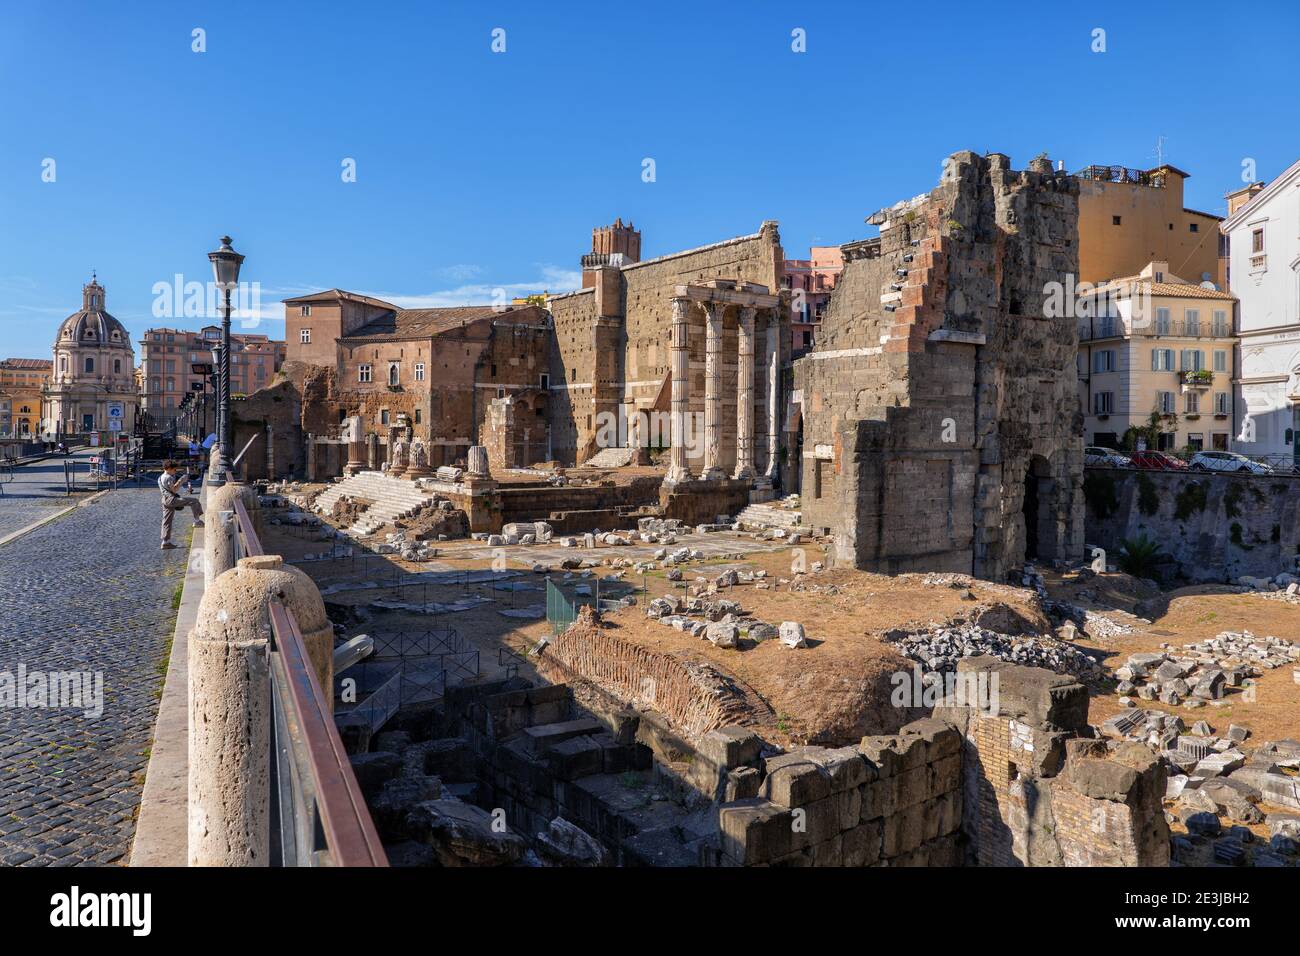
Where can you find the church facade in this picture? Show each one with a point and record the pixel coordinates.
(92, 387)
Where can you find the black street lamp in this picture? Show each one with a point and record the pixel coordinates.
(225, 268)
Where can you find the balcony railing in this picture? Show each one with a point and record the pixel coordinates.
(318, 815)
(1174, 328)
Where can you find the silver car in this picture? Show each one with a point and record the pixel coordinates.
(1105, 457)
(1227, 461)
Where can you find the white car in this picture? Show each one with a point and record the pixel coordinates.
(1227, 461)
(1106, 457)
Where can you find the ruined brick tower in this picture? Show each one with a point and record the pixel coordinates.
(613, 245)
(941, 427)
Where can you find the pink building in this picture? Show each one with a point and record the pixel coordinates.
(811, 280)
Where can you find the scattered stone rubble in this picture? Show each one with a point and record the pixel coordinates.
(1203, 671)
(721, 622)
(938, 649)
(1219, 776)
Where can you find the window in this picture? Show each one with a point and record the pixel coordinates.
(546, 380)
(1103, 403)
(1220, 322)
(304, 336)
(117, 366)
(1257, 241)
(1193, 227)
(1192, 403)
(1162, 360)
(1162, 321)
(304, 310)
(383, 416)
(1195, 441)
(419, 374)
(1103, 360)
(1193, 317)
(393, 374)
(494, 371)
(417, 416)
(1220, 403)
(1165, 402)
(1220, 360)
(1191, 360)
(90, 364)
(363, 374)
(1116, 220)
(63, 363)
(501, 393)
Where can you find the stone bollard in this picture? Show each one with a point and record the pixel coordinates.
(219, 536)
(230, 705)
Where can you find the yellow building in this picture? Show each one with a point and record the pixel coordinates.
(21, 382)
(1156, 343)
(1129, 217)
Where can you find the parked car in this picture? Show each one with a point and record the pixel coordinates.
(1227, 461)
(1106, 457)
(1158, 460)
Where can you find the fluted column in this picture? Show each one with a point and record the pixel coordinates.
(678, 346)
(713, 312)
(745, 395)
(772, 365)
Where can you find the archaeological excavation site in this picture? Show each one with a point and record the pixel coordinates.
(630, 577)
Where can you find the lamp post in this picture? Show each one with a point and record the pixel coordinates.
(225, 268)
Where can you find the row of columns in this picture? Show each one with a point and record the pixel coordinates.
(679, 350)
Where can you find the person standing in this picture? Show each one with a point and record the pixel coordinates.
(173, 501)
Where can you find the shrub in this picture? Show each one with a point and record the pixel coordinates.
(1140, 556)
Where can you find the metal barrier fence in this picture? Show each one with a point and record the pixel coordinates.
(318, 815)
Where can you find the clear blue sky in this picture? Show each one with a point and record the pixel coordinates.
(478, 170)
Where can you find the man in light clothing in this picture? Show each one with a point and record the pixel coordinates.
(173, 501)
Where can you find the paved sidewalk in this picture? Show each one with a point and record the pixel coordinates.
(89, 592)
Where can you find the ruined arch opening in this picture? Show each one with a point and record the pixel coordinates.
(1039, 508)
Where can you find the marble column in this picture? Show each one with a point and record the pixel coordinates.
(745, 395)
(713, 312)
(772, 365)
(678, 469)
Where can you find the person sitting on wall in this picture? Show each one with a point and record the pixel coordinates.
(173, 501)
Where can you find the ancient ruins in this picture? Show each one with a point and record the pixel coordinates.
(614, 580)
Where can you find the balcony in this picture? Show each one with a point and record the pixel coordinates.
(1196, 378)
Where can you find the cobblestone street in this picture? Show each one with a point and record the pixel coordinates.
(88, 592)
(36, 490)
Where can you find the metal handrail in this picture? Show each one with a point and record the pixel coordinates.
(307, 736)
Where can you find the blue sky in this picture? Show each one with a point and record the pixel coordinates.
(477, 170)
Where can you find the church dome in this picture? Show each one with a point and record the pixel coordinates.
(93, 326)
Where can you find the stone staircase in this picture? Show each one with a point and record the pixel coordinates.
(391, 498)
(611, 458)
(756, 517)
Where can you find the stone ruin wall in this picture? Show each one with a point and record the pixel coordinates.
(937, 380)
(1210, 527)
(1019, 783)
(611, 341)
(694, 698)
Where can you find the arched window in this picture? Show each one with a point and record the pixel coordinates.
(63, 363)
(90, 364)
(117, 366)
(392, 374)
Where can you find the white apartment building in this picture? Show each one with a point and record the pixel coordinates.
(1263, 238)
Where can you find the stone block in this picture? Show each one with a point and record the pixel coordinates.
(755, 831)
(796, 779)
